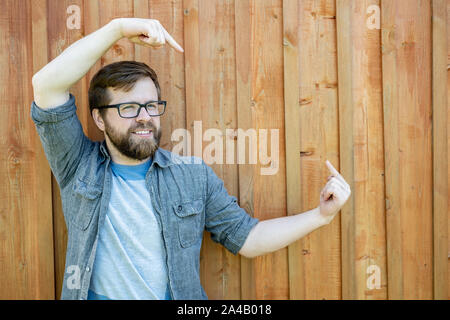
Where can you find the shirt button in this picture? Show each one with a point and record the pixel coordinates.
(180, 208)
(88, 269)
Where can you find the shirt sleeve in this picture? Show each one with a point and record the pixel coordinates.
(227, 222)
(62, 138)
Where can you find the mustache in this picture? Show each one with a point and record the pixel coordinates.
(149, 127)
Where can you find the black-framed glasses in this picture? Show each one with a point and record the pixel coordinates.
(132, 109)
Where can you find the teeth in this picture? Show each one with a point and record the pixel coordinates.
(143, 132)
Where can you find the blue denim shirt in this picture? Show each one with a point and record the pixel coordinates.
(186, 194)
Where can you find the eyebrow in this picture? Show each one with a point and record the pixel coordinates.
(135, 102)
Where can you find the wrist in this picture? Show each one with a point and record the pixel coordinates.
(322, 219)
(116, 27)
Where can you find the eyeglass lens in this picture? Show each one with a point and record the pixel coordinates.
(131, 110)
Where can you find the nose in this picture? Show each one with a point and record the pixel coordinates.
(143, 115)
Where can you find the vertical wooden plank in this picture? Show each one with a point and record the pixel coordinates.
(440, 156)
(311, 137)
(43, 200)
(291, 20)
(141, 9)
(245, 115)
(192, 65)
(344, 47)
(192, 91)
(213, 105)
(91, 22)
(391, 118)
(406, 58)
(112, 9)
(220, 269)
(260, 106)
(319, 141)
(60, 37)
(448, 146)
(26, 240)
(269, 190)
(42, 169)
(361, 150)
(167, 63)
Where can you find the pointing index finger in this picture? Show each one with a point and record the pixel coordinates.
(171, 41)
(336, 173)
(332, 169)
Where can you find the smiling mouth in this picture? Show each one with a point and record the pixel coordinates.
(143, 133)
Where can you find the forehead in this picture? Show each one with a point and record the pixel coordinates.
(144, 90)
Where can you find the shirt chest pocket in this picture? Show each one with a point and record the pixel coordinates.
(190, 221)
(86, 199)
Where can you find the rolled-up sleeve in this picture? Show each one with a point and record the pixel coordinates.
(62, 138)
(227, 222)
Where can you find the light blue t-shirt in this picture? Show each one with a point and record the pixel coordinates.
(130, 257)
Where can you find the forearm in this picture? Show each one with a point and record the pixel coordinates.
(274, 234)
(73, 63)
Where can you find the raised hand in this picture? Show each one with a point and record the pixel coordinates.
(147, 32)
(334, 195)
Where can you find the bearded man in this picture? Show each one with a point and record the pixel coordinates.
(135, 213)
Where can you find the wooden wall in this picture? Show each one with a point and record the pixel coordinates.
(372, 98)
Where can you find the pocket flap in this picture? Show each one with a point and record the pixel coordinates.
(188, 208)
(87, 190)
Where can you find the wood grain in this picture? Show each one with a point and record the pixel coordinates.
(311, 129)
(26, 240)
(291, 43)
(167, 63)
(372, 101)
(245, 113)
(60, 37)
(361, 150)
(406, 45)
(259, 64)
(214, 107)
(448, 148)
(440, 151)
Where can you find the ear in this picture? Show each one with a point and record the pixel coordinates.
(98, 119)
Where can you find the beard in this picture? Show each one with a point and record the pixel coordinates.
(133, 146)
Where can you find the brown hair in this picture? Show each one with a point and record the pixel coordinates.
(120, 75)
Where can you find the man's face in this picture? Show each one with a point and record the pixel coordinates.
(124, 143)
